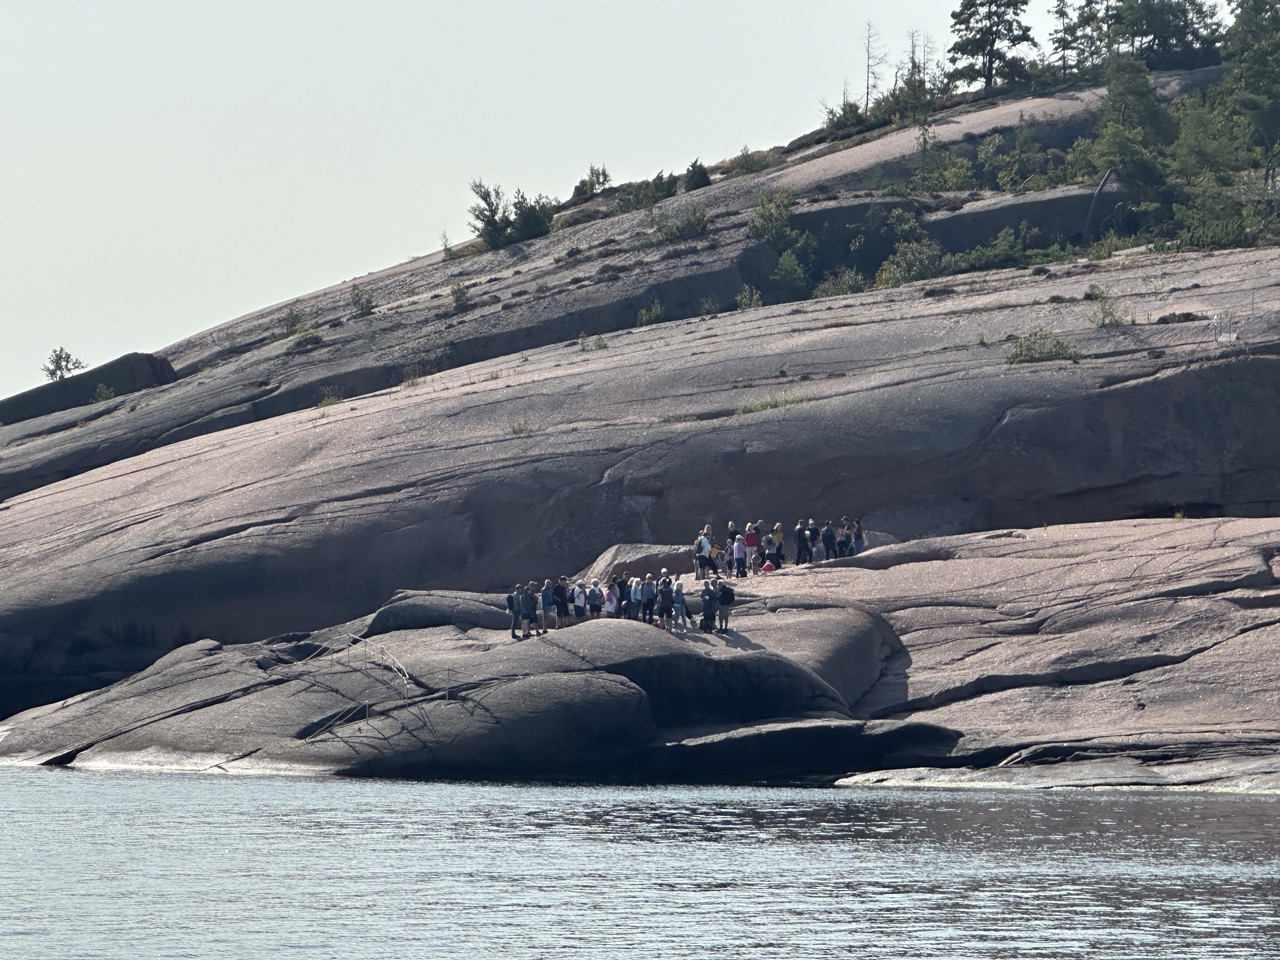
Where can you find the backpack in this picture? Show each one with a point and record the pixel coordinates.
(511, 603)
(727, 596)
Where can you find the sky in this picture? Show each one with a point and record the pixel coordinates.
(167, 165)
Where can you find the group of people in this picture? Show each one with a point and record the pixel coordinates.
(759, 548)
(534, 610)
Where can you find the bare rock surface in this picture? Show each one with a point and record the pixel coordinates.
(1123, 653)
(896, 406)
(604, 700)
(590, 280)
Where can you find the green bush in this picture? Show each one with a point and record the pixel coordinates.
(292, 321)
(499, 223)
(790, 276)
(461, 297)
(103, 393)
(647, 193)
(1106, 312)
(748, 162)
(597, 179)
(748, 297)
(361, 301)
(654, 313)
(771, 221)
(840, 283)
(689, 225)
(911, 260)
(845, 116)
(696, 177)
(769, 403)
(1041, 345)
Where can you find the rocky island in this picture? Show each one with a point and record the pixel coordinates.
(280, 545)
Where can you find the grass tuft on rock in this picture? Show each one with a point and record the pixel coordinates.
(1041, 345)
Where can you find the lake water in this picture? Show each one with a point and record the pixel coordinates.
(139, 866)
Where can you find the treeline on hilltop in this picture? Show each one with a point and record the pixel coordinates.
(1200, 170)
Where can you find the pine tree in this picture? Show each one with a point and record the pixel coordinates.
(987, 34)
(1064, 41)
(1092, 32)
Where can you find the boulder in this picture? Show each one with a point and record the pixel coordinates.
(604, 700)
(1121, 653)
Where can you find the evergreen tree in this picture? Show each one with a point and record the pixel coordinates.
(1092, 33)
(1169, 33)
(1064, 41)
(987, 34)
(1252, 49)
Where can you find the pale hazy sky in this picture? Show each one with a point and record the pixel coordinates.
(168, 165)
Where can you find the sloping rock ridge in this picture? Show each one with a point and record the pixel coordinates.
(899, 406)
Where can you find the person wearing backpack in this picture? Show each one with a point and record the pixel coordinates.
(595, 600)
(666, 602)
(724, 600)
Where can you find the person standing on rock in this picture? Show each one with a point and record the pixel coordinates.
(681, 614)
(560, 594)
(751, 537)
(666, 601)
(724, 600)
(514, 607)
(740, 555)
(529, 609)
(779, 538)
(859, 540)
(769, 544)
(595, 600)
(648, 597)
(547, 610)
(702, 551)
(637, 597)
(730, 536)
(844, 536)
(708, 622)
(580, 601)
(828, 538)
(801, 536)
(610, 600)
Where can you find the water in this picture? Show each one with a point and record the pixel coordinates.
(149, 866)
